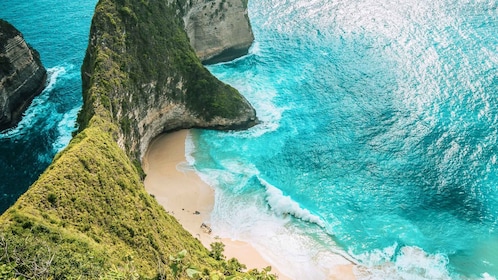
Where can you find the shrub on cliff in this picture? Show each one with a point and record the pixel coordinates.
(88, 215)
(139, 61)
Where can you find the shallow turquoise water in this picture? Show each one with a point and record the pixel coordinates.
(378, 141)
(378, 138)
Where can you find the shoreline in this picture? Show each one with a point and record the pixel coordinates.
(190, 200)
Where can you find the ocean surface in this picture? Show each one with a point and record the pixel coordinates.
(58, 30)
(378, 141)
(378, 138)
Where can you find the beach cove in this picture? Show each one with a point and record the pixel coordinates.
(377, 137)
(181, 192)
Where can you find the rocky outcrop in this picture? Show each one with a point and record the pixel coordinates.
(88, 215)
(22, 76)
(141, 73)
(218, 30)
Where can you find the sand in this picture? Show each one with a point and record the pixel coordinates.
(184, 195)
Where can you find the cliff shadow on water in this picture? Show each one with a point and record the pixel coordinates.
(88, 215)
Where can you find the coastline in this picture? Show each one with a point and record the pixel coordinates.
(190, 200)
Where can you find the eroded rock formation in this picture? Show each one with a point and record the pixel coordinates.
(89, 213)
(141, 72)
(218, 30)
(22, 76)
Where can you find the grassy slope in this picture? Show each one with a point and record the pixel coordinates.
(88, 216)
(91, 211)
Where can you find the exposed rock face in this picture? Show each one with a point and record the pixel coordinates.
(22, 76)
(141, 73)
(219, 30)
(89, 213)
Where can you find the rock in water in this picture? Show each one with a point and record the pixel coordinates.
(22, 76)
(218, 30)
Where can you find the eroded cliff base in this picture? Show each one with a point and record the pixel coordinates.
(22, 75)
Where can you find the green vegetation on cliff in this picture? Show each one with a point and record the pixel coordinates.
(88, 216)
(139, 56)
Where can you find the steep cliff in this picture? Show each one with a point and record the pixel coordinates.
(22, 76)
(88, 216)
(141, 73)
(219, 30)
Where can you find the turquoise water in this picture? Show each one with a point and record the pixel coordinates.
(378, 138)
(59, 31)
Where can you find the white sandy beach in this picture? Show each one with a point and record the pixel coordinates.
(184, 195)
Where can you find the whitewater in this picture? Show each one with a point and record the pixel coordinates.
(58, 30)
(377, 141)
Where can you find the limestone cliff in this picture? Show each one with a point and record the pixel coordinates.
(141, 72)
(88, 216)
(22, 76)
(219, 30)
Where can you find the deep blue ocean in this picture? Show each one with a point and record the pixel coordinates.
(378, 141)
(58, 30)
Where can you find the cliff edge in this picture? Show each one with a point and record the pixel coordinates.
(219, 30)
(141, 73)
(88, 215)
(22, 75)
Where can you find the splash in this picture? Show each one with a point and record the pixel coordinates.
(38, 107)
(284, 205)
(379, 128)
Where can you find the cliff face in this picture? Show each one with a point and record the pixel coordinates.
(88, 216)
(219, 30)
(22, 76)
(141, 72)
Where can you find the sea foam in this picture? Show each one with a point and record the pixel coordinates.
(284, 205)
(287, 245)
(39, 105)
(65, 128)
(402, 262)
(378, 127)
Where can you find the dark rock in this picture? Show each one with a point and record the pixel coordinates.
(22, 75)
